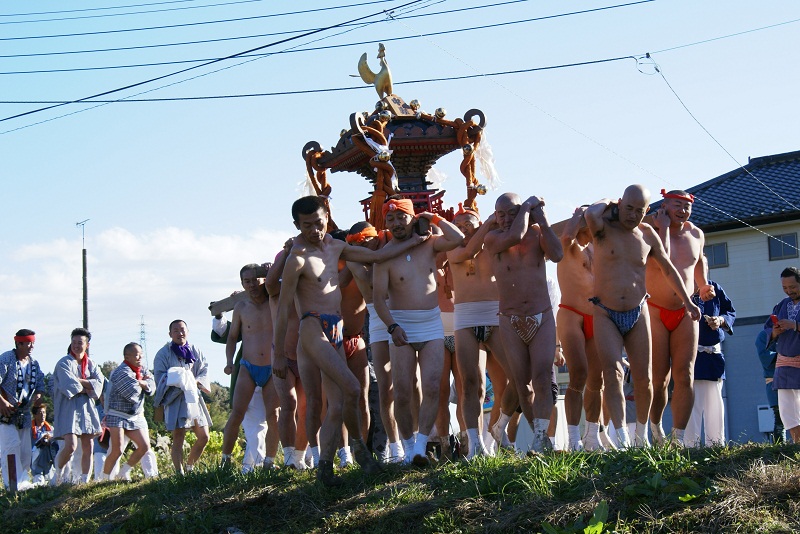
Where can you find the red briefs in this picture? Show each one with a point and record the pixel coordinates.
(351, 345)
(669, 318)
(588, 321)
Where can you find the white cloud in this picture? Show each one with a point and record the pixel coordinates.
(161, 275)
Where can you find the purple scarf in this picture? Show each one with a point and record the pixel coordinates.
(183, 352)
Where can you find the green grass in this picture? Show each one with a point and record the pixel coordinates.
(750, 488)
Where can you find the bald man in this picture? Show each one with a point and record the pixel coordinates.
(518, 249)
(622, 246)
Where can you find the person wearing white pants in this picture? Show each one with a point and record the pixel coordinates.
(708, 411)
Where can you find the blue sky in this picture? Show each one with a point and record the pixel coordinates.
(180, 194)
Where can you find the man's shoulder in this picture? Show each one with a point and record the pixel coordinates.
(7, 356)
(163, 352)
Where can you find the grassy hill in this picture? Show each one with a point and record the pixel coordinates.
(750, 488)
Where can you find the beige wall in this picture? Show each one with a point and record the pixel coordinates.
(751, 281)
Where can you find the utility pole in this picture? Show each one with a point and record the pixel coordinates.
(143, 342)
(82, 224)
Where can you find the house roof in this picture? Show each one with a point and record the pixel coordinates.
(738, 195)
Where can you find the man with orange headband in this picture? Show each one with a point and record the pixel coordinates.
(21, 387)
(406, 300)
(519, 248)
(77, 386)
(363, 234)
(674, 333)
(476, 324)
(622, 247)
(311, 284)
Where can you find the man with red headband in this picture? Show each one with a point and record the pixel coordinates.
(77, 386)
(674, 333)
(518, 249)
(476, 325)
(21, 387)
(311, 284)
(406, 300)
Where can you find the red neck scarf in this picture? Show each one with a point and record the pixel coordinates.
(84, 362)
(137, 370)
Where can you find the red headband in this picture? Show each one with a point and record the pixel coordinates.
(360, 237)
(403, 205)
(688, 197)
(23, 339)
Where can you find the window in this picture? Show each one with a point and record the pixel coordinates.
(717, 255)
(783, 246)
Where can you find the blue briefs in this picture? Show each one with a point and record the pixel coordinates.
(623, 320)
(259, 373)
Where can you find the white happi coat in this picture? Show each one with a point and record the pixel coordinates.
(75, 412)
(177, 411)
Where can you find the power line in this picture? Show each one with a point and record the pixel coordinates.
(696, 120)
(123, 14)
(361, 43)
(604, 147)
(95, 8)
(186, 24)
(232, 56)
(238, 37)
(326, 90)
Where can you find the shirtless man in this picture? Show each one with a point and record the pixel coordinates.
(300, 391)
(527, 324)
(311, 276)
(415, 324)
(363, 234)
(622, 246)
(253, 322)
(476, 323)
(576, 332)
(354, 312)
(674, 334)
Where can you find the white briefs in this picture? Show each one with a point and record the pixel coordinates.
(377, 330)
(420, 325)
(482, 313)
(447, 323)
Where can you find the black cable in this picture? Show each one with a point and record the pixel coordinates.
(186, 24)
(239, 54)
(273, 34)
(96, 8)
(327, 90)
(83, 17)
(383, 40)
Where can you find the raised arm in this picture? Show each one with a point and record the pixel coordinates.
(670, 273)
(273, 280)
(451, 236)
(365, 255)
(475, 245)
(497, 242)
(598, 214)
(233, 337)
(291, 276)
(548, 240)
(569, 235)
